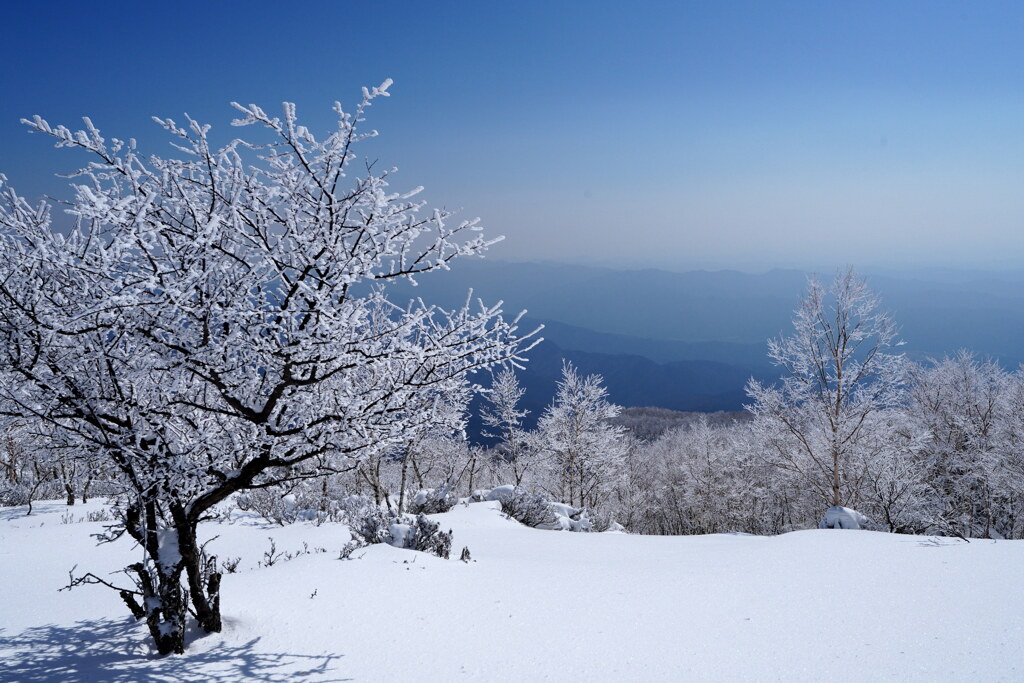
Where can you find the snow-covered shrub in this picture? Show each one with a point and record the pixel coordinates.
(838, 517)
(374, 524)
(346, 550)
(351, 505)
(335, 504)
(569, 518)
(601, 521)
(528, 508)
(41, 485)
(420, 534)
(15, 493)
(314, 501)
(432, 501)
(269, 504)
(533, 510)
(497, 493)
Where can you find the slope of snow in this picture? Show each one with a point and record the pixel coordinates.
(533, 605)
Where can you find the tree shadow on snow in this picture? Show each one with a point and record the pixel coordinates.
(39, 507)
(110, 650)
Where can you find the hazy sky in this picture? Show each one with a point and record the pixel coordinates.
(680, 134)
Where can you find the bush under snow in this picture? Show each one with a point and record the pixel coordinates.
(533, 510)
(838, 517)
(432, 501)
(374, 524)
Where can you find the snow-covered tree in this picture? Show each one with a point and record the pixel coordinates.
(584, 451)
(447, 424)
(1010, 437)
(705, 477)
(839, 370)
(895, 493)
(504, 420)
(963, 405)
(25, 468)
(219, 321)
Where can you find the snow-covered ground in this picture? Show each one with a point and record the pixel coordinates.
(533, 605)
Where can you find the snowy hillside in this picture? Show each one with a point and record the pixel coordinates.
(532, 605)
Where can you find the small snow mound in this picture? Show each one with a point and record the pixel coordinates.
(497, 493)
(838, 517)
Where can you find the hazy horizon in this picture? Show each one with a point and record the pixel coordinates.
(825, 270)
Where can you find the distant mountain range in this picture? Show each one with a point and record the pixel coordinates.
(690, 341)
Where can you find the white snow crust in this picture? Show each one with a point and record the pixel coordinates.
(533, 606)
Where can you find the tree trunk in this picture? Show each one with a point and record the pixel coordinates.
(383, 492)
(472, 472)
(401, 487)
(164, 607)
(171, 549)
(201, 573)
(837, 499)
(85, 489)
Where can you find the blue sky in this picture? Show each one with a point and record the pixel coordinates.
(711, 134)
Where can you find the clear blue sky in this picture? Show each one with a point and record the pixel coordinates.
(714, 134)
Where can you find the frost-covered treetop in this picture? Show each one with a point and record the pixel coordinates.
(227, 306)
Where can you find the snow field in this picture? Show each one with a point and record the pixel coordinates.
(533, 605)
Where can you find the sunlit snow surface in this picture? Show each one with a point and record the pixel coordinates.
(533, 605)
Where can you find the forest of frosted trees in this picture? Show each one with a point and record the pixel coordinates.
(933, 447)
